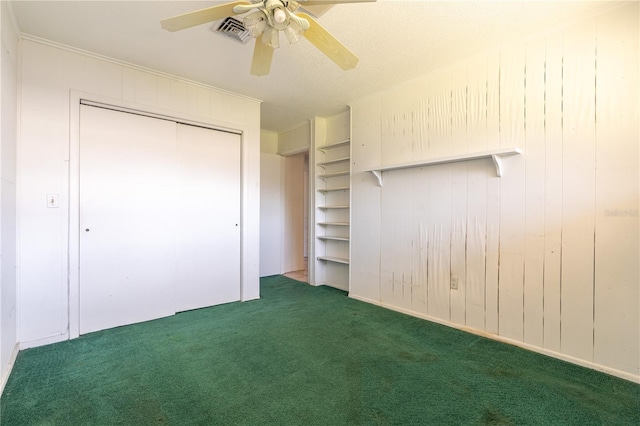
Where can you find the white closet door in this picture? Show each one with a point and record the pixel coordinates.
(127, 218)
(208, 231)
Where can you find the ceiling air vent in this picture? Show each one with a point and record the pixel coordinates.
(233, 29)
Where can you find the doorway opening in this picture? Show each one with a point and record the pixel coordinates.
(296, 216)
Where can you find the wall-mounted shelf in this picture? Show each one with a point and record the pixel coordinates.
(336, 174)
(342, 188)
(333, 223)
(334, 145)
(336, 161)
(332, 207)
(496, 155)
(334, 259)
(324, 237)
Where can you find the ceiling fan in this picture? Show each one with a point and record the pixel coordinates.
(267, 18)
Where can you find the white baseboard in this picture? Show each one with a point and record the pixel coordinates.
(9, 367)
(588, 364)
(44, 341)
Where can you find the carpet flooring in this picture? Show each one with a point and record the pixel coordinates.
(304, 355)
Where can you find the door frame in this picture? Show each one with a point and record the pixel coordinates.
(73, 237)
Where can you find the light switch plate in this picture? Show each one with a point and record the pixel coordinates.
(53, 200)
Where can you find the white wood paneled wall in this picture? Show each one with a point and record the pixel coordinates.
(547, 255)
(48, 74)
(8, 134)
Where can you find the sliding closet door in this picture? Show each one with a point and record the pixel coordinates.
(208, 228)
(127, 218)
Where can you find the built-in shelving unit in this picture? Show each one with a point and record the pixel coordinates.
(336, 174)
(334, 259)
(332, 201)
(339, 188)
(496, 155)
(336, 161)
(324, 237)
(332, 207)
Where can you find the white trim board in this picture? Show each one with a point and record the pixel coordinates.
(9, 367)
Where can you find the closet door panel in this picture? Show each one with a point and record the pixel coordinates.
(208, 228)
(127, 217)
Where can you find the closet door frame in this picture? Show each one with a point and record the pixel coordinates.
(73, 240)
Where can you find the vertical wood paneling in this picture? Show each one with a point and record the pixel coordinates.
(388, 234)
(199, 101)
(111, 80)
(459, 192)
(421, 241)
(534, 193)
(476, 244)
(129, 84)
(439, 101)
(439, 178)
(548, 253)
(146, 90)
(494, 184)
(512, 198)
(407, 236)
(617, 292)
(365, 201)
(403, 121)
(91, 75)
(42, 308)
(578, 192)
(476, 194)
(553, 191)
(179, 94)
(165, 92)
(439, 257)
(73, 70)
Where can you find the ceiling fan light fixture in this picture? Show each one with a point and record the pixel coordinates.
(279, 15)
(271, 37)
(293, 32)
(255, 23)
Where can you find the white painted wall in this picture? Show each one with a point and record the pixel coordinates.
(268, 142)
(295, 140)
(49, 73)
(8, 137)
(547, 255)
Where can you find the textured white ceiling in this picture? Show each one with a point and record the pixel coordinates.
(395, 40)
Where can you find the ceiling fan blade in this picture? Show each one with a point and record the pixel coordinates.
(201, 16)
(262, 56)
(328, 44)
(304, 3)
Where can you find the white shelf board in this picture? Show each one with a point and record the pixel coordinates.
(336, 174)
(336, 161)
(334, 145)
(342, 188)
(332, 207)
(495, 154)
(324, 237)
(334, 259)
(333, 223)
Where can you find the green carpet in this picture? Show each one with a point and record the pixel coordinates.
(305, 356)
